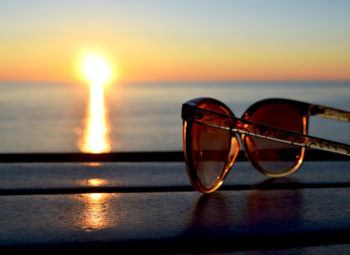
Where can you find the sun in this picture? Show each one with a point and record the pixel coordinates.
(96, 69)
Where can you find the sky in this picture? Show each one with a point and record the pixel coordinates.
(167, 40)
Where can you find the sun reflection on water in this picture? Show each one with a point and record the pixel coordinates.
(96, 132)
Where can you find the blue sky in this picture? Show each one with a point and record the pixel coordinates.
(277, 28)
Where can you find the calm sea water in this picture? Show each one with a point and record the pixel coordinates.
(142, 117)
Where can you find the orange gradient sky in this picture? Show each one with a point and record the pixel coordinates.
(177, 40)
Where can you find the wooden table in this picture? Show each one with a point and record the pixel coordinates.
(126, 206)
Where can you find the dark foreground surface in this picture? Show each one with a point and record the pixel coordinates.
(150, 206)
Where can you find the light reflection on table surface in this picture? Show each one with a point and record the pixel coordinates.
(96, 211)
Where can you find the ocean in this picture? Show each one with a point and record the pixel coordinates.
(52, 117)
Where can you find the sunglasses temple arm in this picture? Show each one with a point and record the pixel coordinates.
(284, 136)
(246, 127)
(329, 112)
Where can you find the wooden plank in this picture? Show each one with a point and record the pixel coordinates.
(151, 156)
(48, 178)
(124, 206)
(176, 221)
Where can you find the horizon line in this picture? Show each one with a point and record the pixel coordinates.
(22, 81)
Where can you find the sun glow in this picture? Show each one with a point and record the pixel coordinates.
(98, 72)
(96, 69)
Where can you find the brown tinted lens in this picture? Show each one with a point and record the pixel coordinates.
(210, 149)
(275, 157)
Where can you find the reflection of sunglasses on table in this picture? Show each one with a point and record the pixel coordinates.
(273, 132)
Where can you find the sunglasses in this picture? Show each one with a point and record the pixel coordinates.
(274, 133)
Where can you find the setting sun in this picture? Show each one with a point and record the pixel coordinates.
(96, 69)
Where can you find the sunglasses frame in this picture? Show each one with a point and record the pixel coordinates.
(239, 128)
